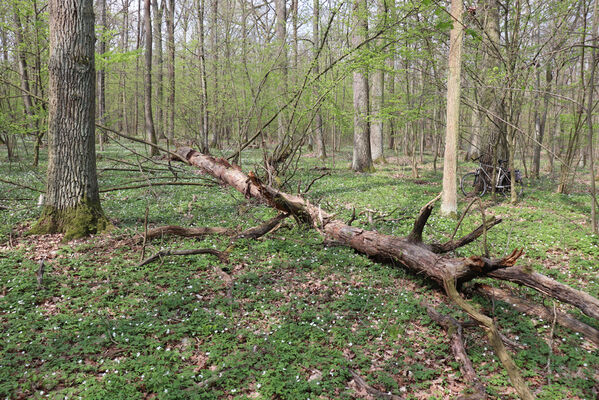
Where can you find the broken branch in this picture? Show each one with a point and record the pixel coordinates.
(163, 253)
(456, 343)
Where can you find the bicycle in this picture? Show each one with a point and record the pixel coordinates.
(474, 183)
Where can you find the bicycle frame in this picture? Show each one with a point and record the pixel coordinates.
(500, 175)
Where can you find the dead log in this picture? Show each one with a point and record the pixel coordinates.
(539, 311)
(494, 338)
(410, 252)
(262, 229)
(362, 385)
(187, 232)
(524, 275)
(222, 256)
(456, 343)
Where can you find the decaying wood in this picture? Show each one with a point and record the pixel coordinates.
(222, 256)
(410, 252)
(494, 339)
(250, 233)
(524, 275)
(456, 343)
(188, 232)
(539, 311)
(262, 229)
(362, 385)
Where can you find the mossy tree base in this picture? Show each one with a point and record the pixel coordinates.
(82, 220)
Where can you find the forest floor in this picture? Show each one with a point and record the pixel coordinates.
(297, 314)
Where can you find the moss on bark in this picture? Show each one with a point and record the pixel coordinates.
(82, 220)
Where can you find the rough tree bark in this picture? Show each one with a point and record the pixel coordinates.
(72, 202)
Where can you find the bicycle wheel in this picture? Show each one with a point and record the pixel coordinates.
(472, 184)
(507, 190)
(520, 187)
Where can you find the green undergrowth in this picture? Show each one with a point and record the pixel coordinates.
(301, 313)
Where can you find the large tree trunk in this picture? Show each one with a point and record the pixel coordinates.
(378, 98)
(170, 29)
(215, 106)
(102, 74)
(123, 121)
(319, 145)
(362, 156)
(410, 251)
(149, 120)
(158, 66)
(449, 203)
(591, 89)
(204, 140)
(72, 202)
(25, 87)
(281, 35)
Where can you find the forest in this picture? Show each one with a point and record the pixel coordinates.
(285, 199)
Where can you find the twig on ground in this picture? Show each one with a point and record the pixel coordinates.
(143, 246)
(548, 367)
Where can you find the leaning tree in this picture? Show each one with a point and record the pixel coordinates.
(72, 202)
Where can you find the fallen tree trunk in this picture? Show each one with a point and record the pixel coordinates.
(187, 232)
(411, 252)
(540, 311)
